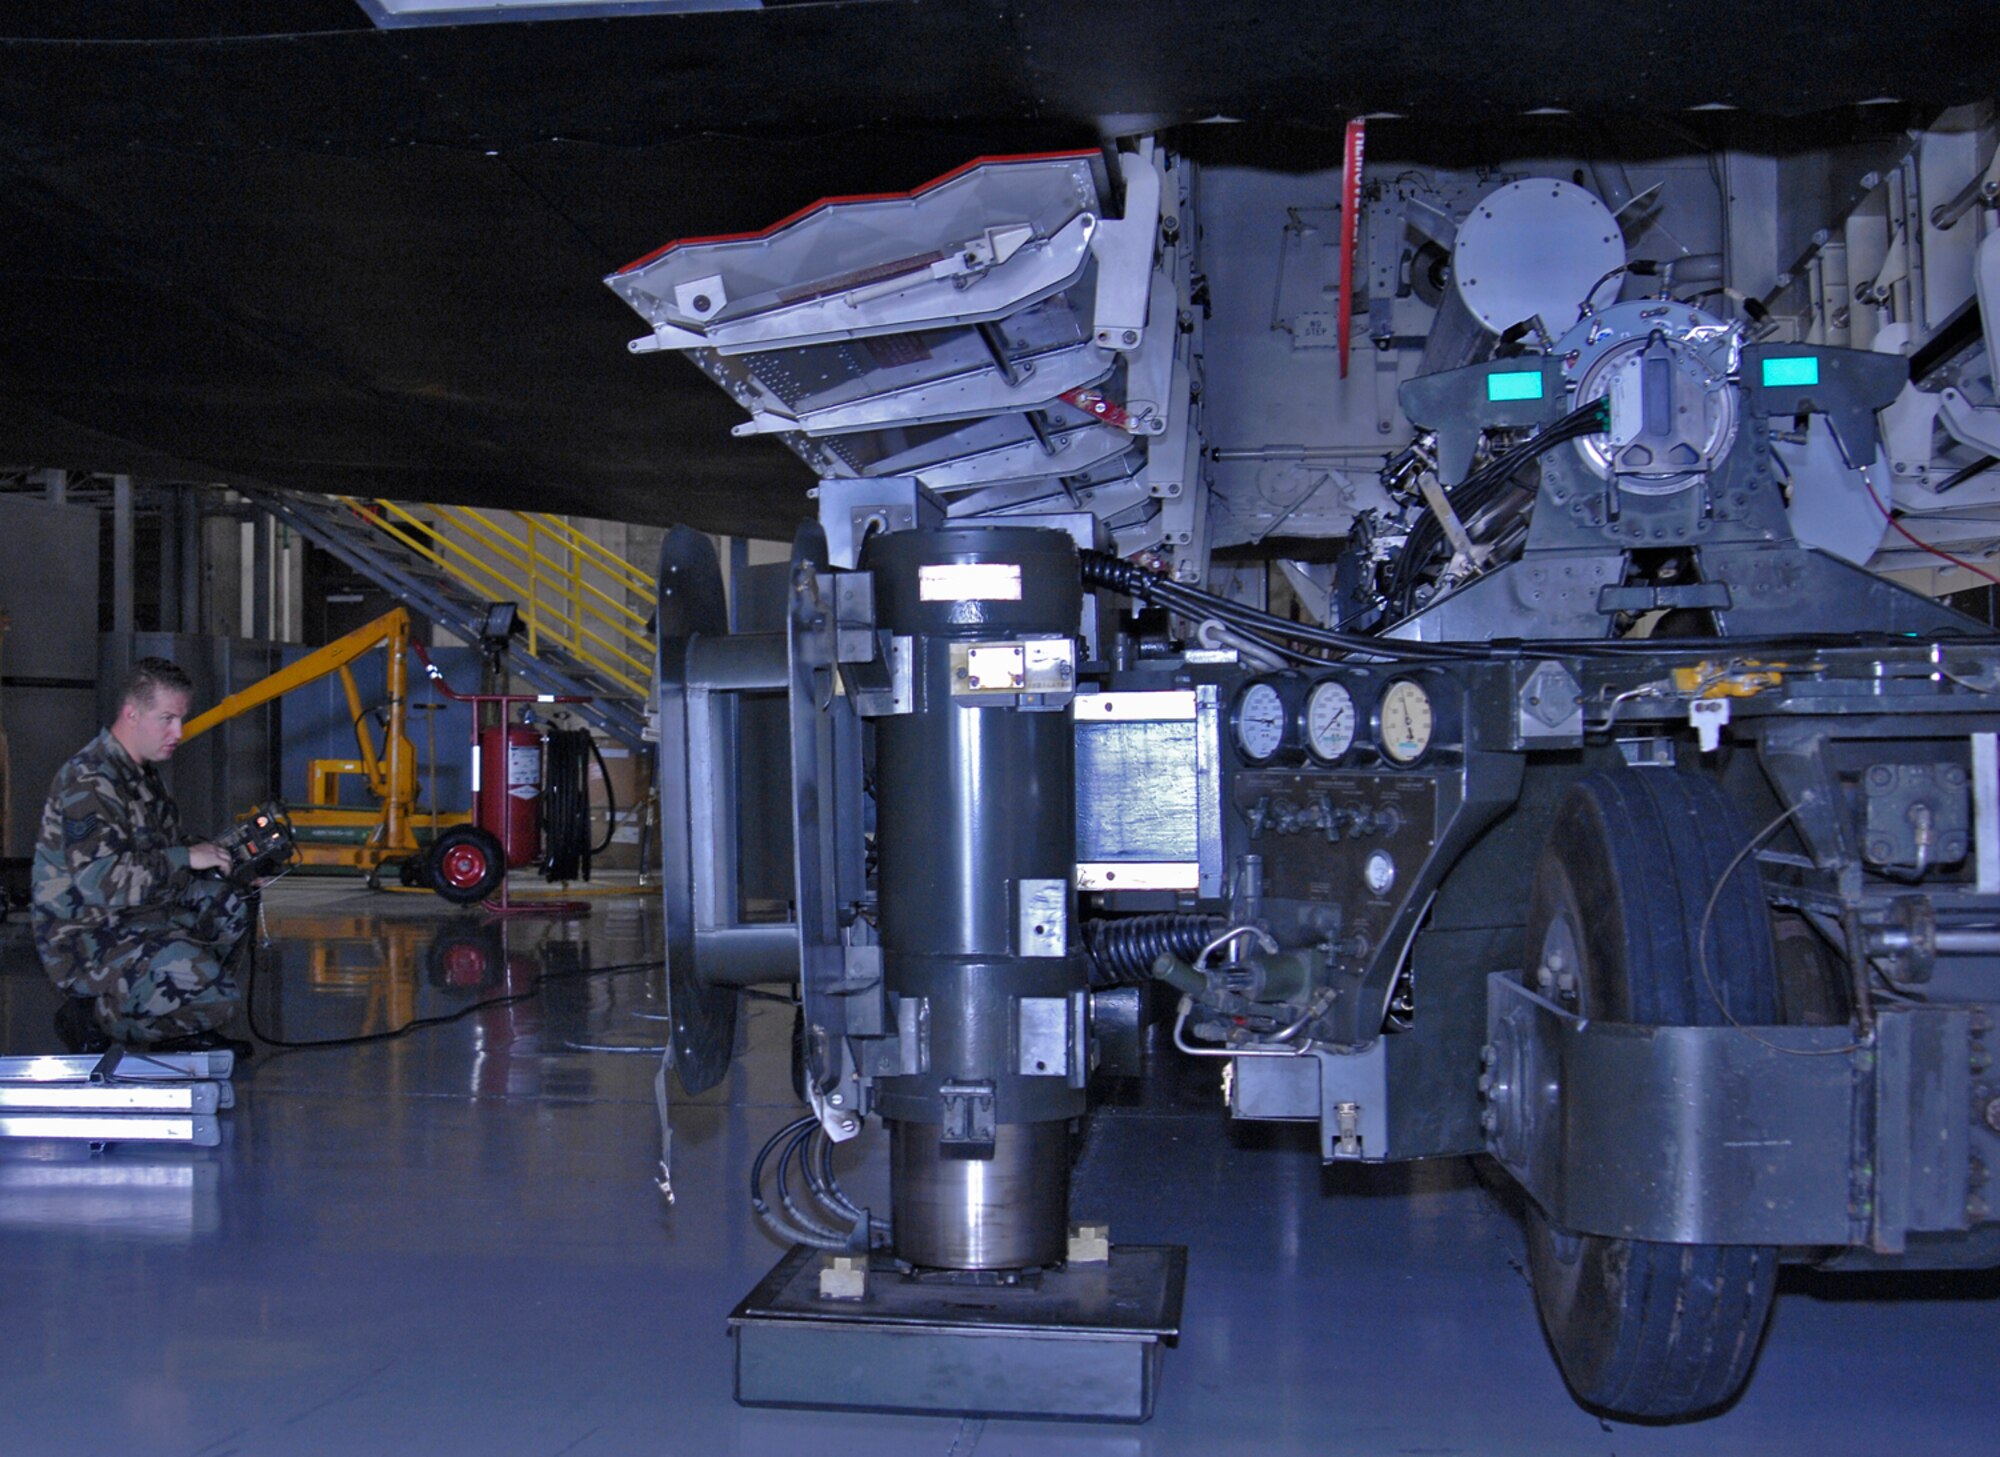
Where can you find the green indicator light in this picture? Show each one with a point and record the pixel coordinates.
(1786, 373)
(1515, 384)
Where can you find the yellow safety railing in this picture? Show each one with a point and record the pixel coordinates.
(548, 568)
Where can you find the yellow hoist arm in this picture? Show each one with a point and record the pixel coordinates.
(391, 629)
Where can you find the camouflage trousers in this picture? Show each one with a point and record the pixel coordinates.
(175, 979)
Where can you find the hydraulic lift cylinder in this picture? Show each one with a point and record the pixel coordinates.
(975, 820)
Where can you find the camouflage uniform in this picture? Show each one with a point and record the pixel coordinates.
(118, 914)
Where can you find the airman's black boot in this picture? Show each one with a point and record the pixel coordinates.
(76, 1025)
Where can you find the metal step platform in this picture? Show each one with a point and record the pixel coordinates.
(119, 1096)
(1083, 1342)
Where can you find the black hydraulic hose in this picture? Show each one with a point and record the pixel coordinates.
(566, 806)
(1269, 625)
(847, 1207)
(610, 800)
(819, 1237)
(1117, 575)
(797, 1149)
(1963, 474)
(1114, 574)
(1122, 952)
(1478, 490)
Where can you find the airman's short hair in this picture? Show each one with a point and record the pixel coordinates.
(148, 677)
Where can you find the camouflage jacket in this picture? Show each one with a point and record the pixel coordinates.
(110, 861)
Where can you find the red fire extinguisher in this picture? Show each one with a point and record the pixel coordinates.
(466, 861)
(510, 790)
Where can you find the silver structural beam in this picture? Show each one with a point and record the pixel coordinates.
(167, 502)
(121, 554)
(189, 586)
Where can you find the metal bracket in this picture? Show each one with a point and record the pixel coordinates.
(1651, 1132)
(1124, 249)
(1969, 424)
(1548, 707)
(970, 1126)
(853, 509)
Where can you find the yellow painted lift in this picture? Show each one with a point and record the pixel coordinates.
(390, 771)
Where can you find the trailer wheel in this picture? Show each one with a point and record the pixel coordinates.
(1646, 1330)
(467, 864)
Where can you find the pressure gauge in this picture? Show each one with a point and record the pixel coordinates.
(1259, 723)
(1404, 721)
(1329, 720)
(1379, 873)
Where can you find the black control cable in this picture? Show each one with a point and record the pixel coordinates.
(418, 1024)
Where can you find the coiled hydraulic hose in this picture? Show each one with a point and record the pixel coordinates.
(566, 806)
(1122, 952)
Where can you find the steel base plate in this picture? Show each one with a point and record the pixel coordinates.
(1082, 1343)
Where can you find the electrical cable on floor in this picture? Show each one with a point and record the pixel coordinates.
(361, 1039)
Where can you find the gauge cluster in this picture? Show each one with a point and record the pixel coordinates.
(1352, 717)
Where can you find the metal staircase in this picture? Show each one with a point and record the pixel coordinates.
(578, 638)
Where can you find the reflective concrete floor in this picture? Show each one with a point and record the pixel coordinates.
(450, 1243)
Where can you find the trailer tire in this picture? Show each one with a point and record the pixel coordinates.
(1657, 1332)
(467, 864)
